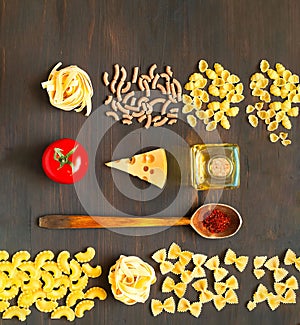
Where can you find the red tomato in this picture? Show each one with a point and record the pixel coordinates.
(65, 161)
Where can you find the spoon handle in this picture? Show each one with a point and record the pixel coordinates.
(59, 221)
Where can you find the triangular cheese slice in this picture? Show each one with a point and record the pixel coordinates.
(150, 166)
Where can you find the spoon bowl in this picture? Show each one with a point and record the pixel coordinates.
(201, 213)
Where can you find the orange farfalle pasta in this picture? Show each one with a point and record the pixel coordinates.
(239, 262)
(176, 252)
(290, 258)
(213, 264)
(160, 257)
(157, 307)
(229, 298)
(178, 288)
(272, 264)
(202, 287)
(194, 308)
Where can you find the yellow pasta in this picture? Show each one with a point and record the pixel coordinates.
(7, 267)
(281, 287)
(186, 276)
(82, 307)
(230, 283)
(290, 258)
(160, 257)
(225, 123)
(31, 285)
(186, 99)
(28, 298)
(261, 294)
(272, 264)
(62, 262)
(233, 79)
(212, 125)
(221, 301)
(272, 74)
(279, 68)
(191, 120)
(218, 68)
(176, 252)
(214, 90)
(58, 293)
(232, 111)
(293, 111)
(91, 272)
(286, 142)
(51, 266)
(95, 292)
(19, 257)
(259, 273)
(75, 270)
(273, 301)
(157, 307)
(202, 287)
(251, 305)
(286, 123)
(169, 286)
(289, 297)
(272, 126)
(69, 89)
(198, 270)
(259, 261)
(43, 257)
(73, 296)
(253, 120)
(63, 311)
(264, 66)
(48, 280)
(46, 306)
(194, 308)
(15, 311)
(214, 264)
(80, 284)
(211, 74)
(3, 306)
(4, 256)
(87, 256)
(203, 65)
(187, 108)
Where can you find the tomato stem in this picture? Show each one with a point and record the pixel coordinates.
(63, 159)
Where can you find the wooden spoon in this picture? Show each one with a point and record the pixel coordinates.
(79, 221)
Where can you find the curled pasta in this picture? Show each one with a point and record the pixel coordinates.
(63, 311)
(82, 307)
(86, 256)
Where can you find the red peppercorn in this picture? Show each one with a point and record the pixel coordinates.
(216, 221)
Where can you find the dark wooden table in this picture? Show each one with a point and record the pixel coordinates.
(94, 35)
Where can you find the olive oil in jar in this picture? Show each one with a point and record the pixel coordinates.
(215, 166)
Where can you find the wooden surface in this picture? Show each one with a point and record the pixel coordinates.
(94, 35)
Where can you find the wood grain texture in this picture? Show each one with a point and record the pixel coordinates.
(94, 35)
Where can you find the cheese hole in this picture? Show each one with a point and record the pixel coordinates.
(149, 158)
(151, 171)
(132, 160)
(146, 168)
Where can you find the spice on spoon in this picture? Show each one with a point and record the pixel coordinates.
(216, 221)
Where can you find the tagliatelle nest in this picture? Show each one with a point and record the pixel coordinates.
(130, 279)
(69, 89)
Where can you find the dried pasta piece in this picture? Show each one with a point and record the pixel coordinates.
(218, 116)
(274, 137)
(218, 68)
(82, 307)
(202, 287)
(198, 260)
(29, 267)
(157, 307)
(214, 90)
(290, 283)
(225, 123)
(95, 292)
(80, 284)
(57, 294)
(42, 257)
(87, 256)
(293, 111)
(46, 306)
(261, 294)
(259, 105)
(186, 99)
(230, 283)
(212, 125)
(237, 98)
(253, 120)
(259, 273)
(75, 270)
(279, 68)
(69, 89)
(272, 74)
(203, 65)
(160, 257)
(62, 262)
(186, 276)
(16, 311)
(3, 306)
(4, 256)
(176, 252)
(291, 258)
(230, 298)
(191, 120)
(187, 108)
(239, 262)
(19, 257)
(31, 285)
(73, 296)
(233, 79)
(178, 268)
(52, 267)
(232, 111)
(264, 66)
(194, 308)
(91, 272)
(272, 264)
(262, 114)
(63, 311)
(28, 298)
(178, 288)
(289, 297)
(213, 264)
(251, 305)
(286, 123)
(7, 267)
(272, 126)
(273, 301)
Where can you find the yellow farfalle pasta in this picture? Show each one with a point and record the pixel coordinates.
(160, 257)
(169, 285)
(259, 273)
(130, 279)
(63, 311)
(194, 308)
(251, 305)
(261, 294)
(230, 283)
(273, 301)
(198, 260)
(186, 276)
(239, 262)
(87, 256)
(157, 307)
(176, 252)
(289, 297)
(202, 287)
(272, 264)
(213, 264)
(290, 283)
(230, 297)
(290, 258)
(69, 89)
(82, 307)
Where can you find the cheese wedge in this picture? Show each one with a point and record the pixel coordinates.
(150, 166)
